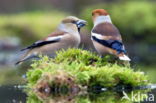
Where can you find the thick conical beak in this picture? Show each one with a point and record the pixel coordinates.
(81, 23)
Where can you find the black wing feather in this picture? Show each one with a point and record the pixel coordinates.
(41, 43)
(114, 44)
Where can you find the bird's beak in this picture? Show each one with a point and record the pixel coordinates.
(80, 23)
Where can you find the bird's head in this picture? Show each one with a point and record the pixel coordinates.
(73, 22)
(100, 15)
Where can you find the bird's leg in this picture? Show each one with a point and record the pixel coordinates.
(102, 56)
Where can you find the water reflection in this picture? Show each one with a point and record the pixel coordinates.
(10, 94)
(18, 94)
(92, 96)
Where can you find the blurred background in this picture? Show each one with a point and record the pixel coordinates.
(22, 22)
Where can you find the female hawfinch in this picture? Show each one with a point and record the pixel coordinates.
(66, 36)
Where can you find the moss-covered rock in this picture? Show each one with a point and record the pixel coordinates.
(74, 71)
(86, 68)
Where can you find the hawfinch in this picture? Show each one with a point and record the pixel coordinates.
(106, 37)
(66, 36)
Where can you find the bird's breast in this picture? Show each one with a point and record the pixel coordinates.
(73, 40)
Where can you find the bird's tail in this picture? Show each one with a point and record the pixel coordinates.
(124, 57)
(25, 57)
(19, 63)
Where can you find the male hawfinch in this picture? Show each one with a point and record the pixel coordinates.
(66, 36)
(106, 37)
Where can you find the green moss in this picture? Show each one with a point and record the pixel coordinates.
(33, 99)
(76, 62)
(82, 57)
(72, 69)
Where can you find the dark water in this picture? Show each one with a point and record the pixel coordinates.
(10, 94)
(13, 94)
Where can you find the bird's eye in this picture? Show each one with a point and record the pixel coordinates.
(74, 22)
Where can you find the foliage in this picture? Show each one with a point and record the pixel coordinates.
(30, 26)
(150, 71)
(10, 77)
(134, 19)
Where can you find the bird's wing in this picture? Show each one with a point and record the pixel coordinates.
(108, 35)
(52, 38)
(107, 31)
(113, 44)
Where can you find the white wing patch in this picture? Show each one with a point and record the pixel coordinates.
(54, 38)
(99, 36)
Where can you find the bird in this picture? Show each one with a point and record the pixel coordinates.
(67, 35)
(106, 37)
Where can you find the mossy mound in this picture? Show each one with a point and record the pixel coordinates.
(86, 69)
(75, 72)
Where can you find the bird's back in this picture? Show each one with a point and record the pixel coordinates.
(106, 29)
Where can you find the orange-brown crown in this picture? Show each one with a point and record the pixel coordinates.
(100, 12)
